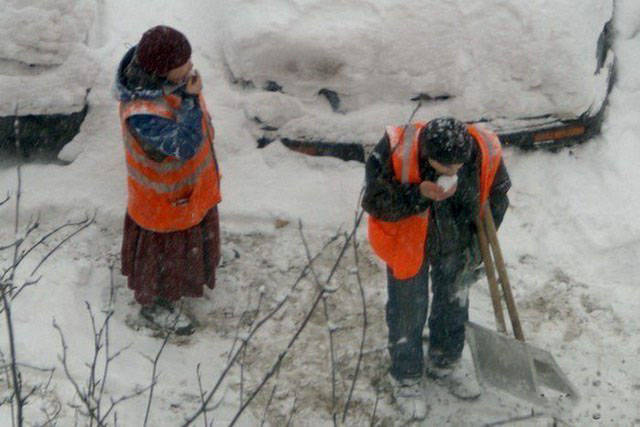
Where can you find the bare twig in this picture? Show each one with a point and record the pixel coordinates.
(266, 408)
(6, 199)
(202, 393)
(25, 365)
(364, 328)
(154, 377)
(116, 402)
(92, 397)
(24, 286)
(281, 356)
(29, 394)
(91, 410)
(6, 289)
(6, 400)
(302, 326)
(9, 399)
(293, 410)
(108, 357)
(101, 338)
(302, 275)
(52, 418)
(42, 240)
(16, 128)
(330, 328)
(83, 224)
(97, 347)
(237, 338)
(250, 335)
(10, 245)
(242, 360)
(332, 352)
(375, 408)
(15, 371)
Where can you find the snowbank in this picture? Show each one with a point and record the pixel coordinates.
(45, 66)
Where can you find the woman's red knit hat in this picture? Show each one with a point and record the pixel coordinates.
(161, 49)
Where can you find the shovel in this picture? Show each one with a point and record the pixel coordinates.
(506, 363)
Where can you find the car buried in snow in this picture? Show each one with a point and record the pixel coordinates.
(46, 72)
(325, 77)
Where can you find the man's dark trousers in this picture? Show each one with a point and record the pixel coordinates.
(406, 314)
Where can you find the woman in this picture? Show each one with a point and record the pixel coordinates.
(171, 242)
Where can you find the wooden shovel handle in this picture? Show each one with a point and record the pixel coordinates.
(490, 229)
(489, 268)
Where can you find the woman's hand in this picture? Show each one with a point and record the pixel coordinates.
(194, 83)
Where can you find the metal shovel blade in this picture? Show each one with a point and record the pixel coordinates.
(515, 366)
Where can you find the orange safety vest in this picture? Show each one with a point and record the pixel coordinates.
(173, 194)
(401, 244)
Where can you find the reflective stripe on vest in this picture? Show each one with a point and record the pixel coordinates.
(491, 154)
(403, 154)
(172, 194)
(396, 241)
(401, 244)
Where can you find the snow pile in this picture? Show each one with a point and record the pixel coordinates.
(43, 54)
(627, 18)
(57, 25)
(513, 59)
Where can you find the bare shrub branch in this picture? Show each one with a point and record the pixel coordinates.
(330, 328)
(92, 396)
(364, 328)
(79, 393)
(375, 408)
(293, 410)
(154, 376)
(304, 323)
(266, 408)
(251, 333)
(42, 241)
(6, 199)
(81, 226)
(202, 393)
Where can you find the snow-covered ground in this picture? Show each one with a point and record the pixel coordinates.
(571, 241)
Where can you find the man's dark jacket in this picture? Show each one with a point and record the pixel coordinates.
(451, 225)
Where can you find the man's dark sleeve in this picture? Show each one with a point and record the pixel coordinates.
(385, 197)
(498, 197)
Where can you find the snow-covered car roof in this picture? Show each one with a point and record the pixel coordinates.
(45, 64)
(333, 70)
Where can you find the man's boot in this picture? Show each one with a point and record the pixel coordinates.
(457, 378)
(410, 397)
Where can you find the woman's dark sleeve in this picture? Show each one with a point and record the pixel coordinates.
(385, 197)
(161, 137)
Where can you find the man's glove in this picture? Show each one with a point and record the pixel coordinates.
(473, 268)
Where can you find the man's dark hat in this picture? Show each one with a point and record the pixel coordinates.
(447, 140)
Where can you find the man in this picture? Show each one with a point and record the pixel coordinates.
(171, 242)
(418, 226)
